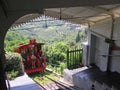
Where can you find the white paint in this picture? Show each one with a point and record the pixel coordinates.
(101, 48)
(104, 28)
(115, 62)
(116, 34)
(85, 54)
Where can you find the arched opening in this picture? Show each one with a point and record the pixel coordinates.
(12, 10)
(63, 24)
(4, 26)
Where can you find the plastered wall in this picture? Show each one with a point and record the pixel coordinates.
(104, 29)
(116, 33)
(115, 62)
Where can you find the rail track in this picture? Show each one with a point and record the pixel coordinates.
(57, 85)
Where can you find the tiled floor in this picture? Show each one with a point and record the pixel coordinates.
(24, 83)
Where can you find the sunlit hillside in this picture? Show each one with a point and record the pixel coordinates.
(47, 30)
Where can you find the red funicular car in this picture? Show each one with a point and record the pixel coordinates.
(32, 56)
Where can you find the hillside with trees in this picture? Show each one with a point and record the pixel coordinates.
(51, 32)
(57, 35)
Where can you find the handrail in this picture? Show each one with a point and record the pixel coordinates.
(110, 55)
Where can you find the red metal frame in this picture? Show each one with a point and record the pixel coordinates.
(33, 60)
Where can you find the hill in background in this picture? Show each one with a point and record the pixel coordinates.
(48, 31)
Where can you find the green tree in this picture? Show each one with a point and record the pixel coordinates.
(57, 53)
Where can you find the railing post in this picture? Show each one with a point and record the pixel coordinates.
(74, 58)
(79, 55)
(61, 69)
(68, 58)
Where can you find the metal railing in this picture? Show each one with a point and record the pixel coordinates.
(74, 58)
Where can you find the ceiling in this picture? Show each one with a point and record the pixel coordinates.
(87, 12)
(80, 15)
(85, 15)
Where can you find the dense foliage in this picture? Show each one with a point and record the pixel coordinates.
(57, 35)
(56, 31)
(56, 53)
(14, 65)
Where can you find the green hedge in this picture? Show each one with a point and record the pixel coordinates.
(14, 66)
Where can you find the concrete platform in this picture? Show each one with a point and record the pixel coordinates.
(24, 83)
(95, 78)
(68, 74)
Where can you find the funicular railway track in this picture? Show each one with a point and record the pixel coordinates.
(57, 85)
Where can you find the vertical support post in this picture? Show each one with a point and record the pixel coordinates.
(75, 58)
(111, 43)
(61, 69)
(68, 58)
(79, 56)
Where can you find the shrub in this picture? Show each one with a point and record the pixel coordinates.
(57, 53)
(14, 65)
(12, 74)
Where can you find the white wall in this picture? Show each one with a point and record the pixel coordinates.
(85, 54)
(104, 30)
(115, 63)
(101, 48)
(116, 34)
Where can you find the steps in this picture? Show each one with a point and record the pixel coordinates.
(93, 79)
(68, 74)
